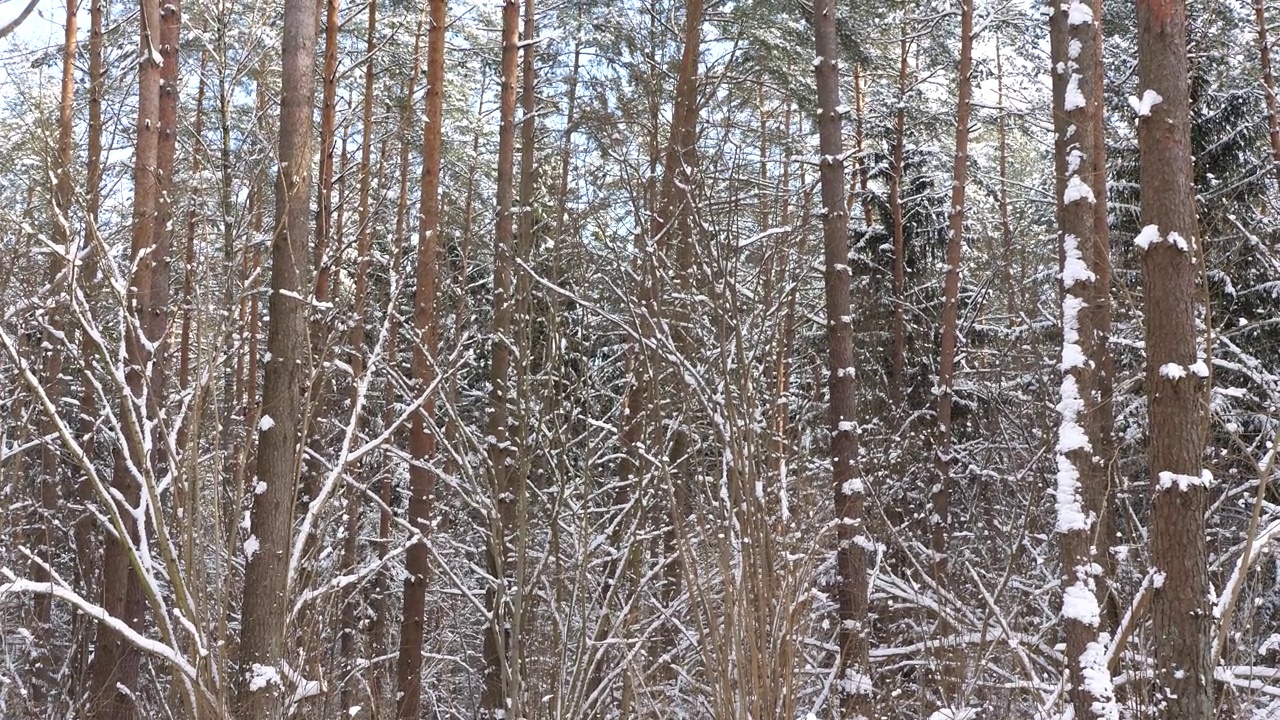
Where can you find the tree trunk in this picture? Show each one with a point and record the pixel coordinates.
(356, 343)
(853, 667)
(84, 526)
(1102, 415)
(860, 169)
(897, 380)
(189, 252)
(501, 666)
(1268, 82)
(940, 500)
(426, 323)
(1176, 371)
(381, 613)
(50, 474)
(114, 669)
(1082, 490)
(1006, 229)
(267, 549)
(674, 239)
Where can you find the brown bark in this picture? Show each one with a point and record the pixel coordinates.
(186, 492)
(501, 666)
(115, 662)
(189, 252)
(360, 317)
(84, 526)
(898, 366)
(1082, 479)
(940, 494)
(1102, 415)
(674, 238)
(51, 477)
(528, 137)
(265, 607)
(860, 169)
(319, 398)
(328, 121)
(426, 323)
(1006, 229)
(853, 667)
(668, 202)
(356, 337)
(1176, 392)
(381, 613)
(1268, 82)
(784, 340)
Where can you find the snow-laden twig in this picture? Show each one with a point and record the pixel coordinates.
(191, 680)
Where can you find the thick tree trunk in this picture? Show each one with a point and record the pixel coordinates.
(1176, 370)
(114, 669)
(267, 547)
(853, 667)
(501, 666)
(426, 323)
(1081, 493)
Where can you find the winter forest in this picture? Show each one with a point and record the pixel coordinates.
(622, 359)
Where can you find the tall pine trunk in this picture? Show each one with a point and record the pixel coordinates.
(51, 476)
(1268, 81)
(853, 667)
(501, 694)
(1176, 369)
(267, 548)
(114, 670)
(426, 323)
(1081, 492)
(940, 494)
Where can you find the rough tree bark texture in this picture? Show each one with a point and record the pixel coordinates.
(115, 662)
(1081, 494)
(50, 477)
(267, 546)
(854, 683)
(1102, 412)
(1176, 372)
(422, 439)
(674, 235)
(501, 666)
